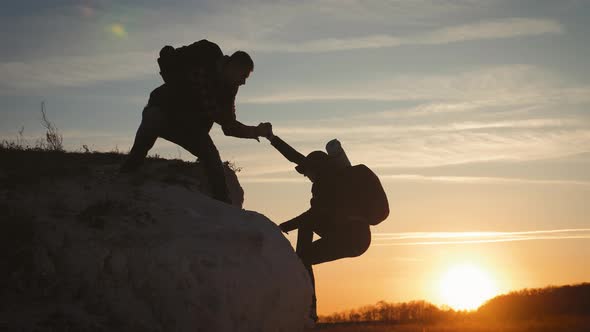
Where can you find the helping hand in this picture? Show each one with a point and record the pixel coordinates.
(265, 129)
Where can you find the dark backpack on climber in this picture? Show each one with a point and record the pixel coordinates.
(177, 65)
(363, 188)
(367, 194)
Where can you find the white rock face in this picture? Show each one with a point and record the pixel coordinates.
(92, 250)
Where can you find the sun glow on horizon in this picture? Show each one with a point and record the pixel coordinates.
(466, 287)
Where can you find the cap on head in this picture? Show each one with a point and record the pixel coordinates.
(316, 160)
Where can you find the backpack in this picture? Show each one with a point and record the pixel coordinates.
(177, 65)
(369, 194)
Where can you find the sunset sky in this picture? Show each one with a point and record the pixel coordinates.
(475, 114)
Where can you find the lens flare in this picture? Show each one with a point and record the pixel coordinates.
(118, 30)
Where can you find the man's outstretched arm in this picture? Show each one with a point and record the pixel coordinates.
(225, 115)
(235, 128)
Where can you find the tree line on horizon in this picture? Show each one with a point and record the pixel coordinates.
(382, 311)
(538, 303)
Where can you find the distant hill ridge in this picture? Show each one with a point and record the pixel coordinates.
(526, 304)
(538, 302)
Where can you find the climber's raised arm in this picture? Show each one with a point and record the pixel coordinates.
(286, 150)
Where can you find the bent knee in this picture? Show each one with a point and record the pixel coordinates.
(362, 243)
(360, 249)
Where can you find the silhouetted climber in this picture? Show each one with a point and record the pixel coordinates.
(345, 201)
(200, 87)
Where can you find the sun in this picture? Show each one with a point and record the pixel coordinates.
(466, 287)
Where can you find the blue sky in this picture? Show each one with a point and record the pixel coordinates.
(474, 113)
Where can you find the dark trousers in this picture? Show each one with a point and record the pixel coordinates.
(338, 240)
(155, 123)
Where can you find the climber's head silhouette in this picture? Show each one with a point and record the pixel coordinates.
(237, 68)
(315, 163)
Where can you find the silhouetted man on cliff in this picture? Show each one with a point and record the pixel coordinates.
(200, 88)
(345, 201)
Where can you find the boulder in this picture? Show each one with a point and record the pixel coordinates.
(88, 249)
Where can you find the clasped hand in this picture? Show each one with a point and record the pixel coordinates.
(265, 129)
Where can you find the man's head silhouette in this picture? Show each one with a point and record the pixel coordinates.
(237, 68)
(315, 163)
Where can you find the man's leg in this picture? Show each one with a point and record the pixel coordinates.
(201, 145)
(152, 123)
(345, 242)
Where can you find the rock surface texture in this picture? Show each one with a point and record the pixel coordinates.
(87, 249)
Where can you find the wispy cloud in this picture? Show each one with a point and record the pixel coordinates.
(393, 129)
(454, 143)
(67, 71)
(72, 71)
(480, 180)
(505, 28)
(262, 178)
(512, 113)
(517, 103)
(446, 238)
(491, 86)
(394, 145)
